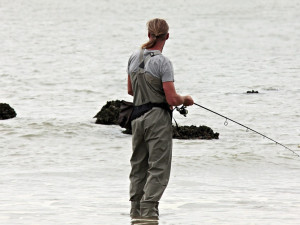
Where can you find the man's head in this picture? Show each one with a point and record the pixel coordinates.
(157, 31)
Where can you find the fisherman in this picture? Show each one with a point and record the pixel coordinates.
(151, 83)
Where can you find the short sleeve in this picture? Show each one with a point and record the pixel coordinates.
(167, 71)
(133, 61)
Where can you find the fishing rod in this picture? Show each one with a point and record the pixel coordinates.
(184, 112)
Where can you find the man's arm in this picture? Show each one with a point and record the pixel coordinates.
(173, 98)
(129, 87)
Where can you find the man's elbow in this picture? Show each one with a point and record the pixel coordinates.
(130, 92)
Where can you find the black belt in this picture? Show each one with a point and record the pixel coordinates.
(142, 109)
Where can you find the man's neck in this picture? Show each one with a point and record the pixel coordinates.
(158, 46)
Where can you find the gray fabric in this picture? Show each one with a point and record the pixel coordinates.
(135, 209)
(146, 88)
(158, 66)
(149, 210)
(151, 157)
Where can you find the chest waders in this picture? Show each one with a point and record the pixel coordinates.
(151, 142)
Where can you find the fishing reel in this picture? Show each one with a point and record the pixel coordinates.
(182, 110)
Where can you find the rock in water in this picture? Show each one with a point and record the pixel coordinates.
(252, 92)
(109, 113)
(190, 132)
(6, 112)
(194, 132)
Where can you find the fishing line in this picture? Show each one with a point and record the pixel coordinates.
(248, 128)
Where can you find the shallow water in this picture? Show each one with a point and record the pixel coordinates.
(60, 61)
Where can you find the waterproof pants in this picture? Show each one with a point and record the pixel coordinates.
(151, 159)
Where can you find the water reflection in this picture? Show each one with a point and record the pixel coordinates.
(144, 222)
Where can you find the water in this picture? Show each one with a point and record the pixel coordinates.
(60, 61)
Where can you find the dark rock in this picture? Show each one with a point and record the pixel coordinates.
(194, 132)
(109, 114)
(6, 112)
(190, 132)
(252, 92)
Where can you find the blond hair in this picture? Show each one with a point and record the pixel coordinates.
(158, 29)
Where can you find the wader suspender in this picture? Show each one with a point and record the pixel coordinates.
(144, 61)
(142, 109)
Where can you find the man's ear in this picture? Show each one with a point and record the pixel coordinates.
(167, 37)
(149, 35)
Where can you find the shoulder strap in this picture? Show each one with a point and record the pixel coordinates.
(142, 55)
(142, 64)
(155, 53)
(143, 61)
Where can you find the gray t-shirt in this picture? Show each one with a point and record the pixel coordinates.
(158, 66)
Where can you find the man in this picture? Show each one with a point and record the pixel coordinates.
(151, 83)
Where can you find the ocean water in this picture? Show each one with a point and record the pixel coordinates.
(60, 61)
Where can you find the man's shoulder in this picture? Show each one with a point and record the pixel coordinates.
(164, 60)
(135, 53)
(160, 57)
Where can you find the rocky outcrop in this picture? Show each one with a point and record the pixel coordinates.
(194, 132)
(109, 114)
(6, 112)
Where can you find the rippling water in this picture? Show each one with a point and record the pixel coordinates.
(60, 61)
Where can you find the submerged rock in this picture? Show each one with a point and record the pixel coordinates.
(109, 114)
(6, 112)
(252, 92)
